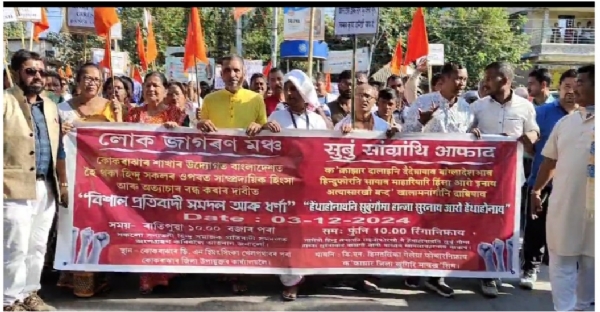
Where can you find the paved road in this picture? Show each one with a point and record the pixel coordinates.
(194, 293)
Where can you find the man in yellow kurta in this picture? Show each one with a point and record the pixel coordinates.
(570, 221)
(234, 106)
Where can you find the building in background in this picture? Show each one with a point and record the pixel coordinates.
(560, 38)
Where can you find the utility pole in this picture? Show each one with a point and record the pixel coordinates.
(238, 36)
(274, 38)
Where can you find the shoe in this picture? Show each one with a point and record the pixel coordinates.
(17, 306)
(489, 288)
(35, 303)
(528, 278)
(412, 282)
(439, 286)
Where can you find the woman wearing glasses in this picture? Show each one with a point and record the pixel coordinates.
(88, 106)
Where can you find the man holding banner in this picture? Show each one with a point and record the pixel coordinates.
(505, 113)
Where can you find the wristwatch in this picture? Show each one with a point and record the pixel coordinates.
(63, 185)
(537, 193)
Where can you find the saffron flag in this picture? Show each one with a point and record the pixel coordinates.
(195, 49)
(418, 43)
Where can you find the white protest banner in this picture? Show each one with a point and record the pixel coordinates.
(119, 60)
(174, 70)
(10, 15)
(436, 54)
(296, 24)
(338, 61)
(29, 14)
(251, 67)
(219, 83)
(356, 21)
(80, 20)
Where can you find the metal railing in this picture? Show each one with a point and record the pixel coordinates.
(561, 35)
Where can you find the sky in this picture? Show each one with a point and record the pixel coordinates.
(55, 19)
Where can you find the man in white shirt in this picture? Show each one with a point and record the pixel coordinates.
(569, 163)
(442, 111)
(365, 97)
(300, 96)
(505, 113)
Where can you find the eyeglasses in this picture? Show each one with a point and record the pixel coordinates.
(365, 96)
(32, 72)
(88, 79)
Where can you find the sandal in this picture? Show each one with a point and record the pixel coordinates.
(366, 287)
(290, 293)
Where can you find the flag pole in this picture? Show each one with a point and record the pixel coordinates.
(311, 39)
(31, 36)
(6, 66)
(352, 97)
(85, 37)
(22, 29)
(197, 82)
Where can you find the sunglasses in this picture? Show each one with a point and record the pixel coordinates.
(33, 72)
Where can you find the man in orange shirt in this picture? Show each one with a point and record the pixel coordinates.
(276, 85)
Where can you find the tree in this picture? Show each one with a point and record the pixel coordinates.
(473, 37)
(476, 37)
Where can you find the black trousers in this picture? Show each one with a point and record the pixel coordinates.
(535, 233)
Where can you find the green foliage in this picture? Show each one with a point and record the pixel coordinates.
(13, 30)
(476, 37)
(473, 37)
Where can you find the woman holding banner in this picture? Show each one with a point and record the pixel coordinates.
(90, 106)
(156, 110)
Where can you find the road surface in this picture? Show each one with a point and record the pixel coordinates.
(195, 293)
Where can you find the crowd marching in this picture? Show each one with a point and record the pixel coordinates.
(557, 132)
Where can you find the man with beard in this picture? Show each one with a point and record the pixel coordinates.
(569, 162)
(538, 86)
(340, 108)
(276, 86)
(503, 113)
(34, 176)
(233, 107)
(441, 111)
(547, 116)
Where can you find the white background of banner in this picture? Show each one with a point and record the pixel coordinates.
(119, 60)
(296, 23)
(63, 258)
(174, 70)
(81, 20)
(338, 61)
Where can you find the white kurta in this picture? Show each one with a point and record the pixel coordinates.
(568, 231)
(378, 124)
